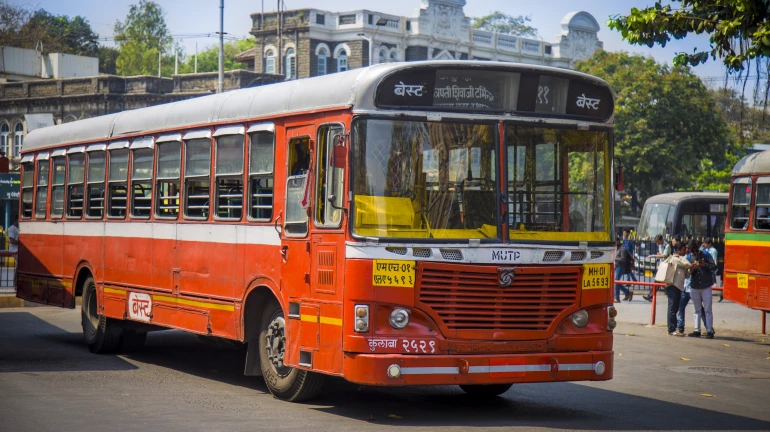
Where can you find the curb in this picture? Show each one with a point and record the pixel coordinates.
(11, 301)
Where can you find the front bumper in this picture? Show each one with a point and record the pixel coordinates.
(372, 369)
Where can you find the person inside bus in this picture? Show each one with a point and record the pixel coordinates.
(675, 289)
(622, 260)
(701, 289)
(302, 163)
(763, 218)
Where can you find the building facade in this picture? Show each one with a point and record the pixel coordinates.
(315, 42)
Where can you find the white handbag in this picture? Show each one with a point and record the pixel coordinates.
(666, 271)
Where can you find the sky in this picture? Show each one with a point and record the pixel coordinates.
(202, 16)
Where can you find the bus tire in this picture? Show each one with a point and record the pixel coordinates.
(486, 391)
(132, 341)
(284, 382)
(101, 333)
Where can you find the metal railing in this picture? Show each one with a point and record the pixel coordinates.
(8, 262)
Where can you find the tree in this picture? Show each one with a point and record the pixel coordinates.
(739, 32)
(107, 58)
(208, 60)
(140, 38)
(23, 28)
(506, 24)
(666, 124)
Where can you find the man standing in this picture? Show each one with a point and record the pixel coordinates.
(628, 274)
(702, 280)
(13, 236)
(674, 291)
(709, 248)
(621, 262)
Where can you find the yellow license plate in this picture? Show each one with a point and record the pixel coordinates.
(648, 273)
(743, 280)
(596, 276)
(397, 273)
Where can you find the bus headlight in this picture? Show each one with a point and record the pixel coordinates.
(362, 318)
(399, 318)
(580, 318)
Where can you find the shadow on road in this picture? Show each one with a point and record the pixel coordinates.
(30, 344)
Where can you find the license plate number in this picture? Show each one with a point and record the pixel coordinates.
(596, 276)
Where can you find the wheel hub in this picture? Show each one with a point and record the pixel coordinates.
(276, 345)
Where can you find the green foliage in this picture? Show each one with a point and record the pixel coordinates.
(107, 58)
(506, 24)
(666, 124)
(739, 29)
(23, 28)
(140, 37)
(208, 60)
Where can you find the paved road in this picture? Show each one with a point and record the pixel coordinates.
(49, 382)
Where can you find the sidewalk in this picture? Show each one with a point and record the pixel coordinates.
(727, 315)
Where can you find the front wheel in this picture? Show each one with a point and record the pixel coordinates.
(486, 391)
(284, 382)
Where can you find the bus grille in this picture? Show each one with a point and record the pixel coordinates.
(471, 298)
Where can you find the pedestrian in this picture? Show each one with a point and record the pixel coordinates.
(708, 247)
(621, 262)
(675, 288)
(13, 235)
(628, 275)
(663, 253)
(701, 290)
(680, 321)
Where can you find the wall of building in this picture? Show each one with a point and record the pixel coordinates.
(21, 64)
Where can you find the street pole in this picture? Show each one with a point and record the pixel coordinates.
(221, 84)
(160, 52)
(195, 70)
(176, 62)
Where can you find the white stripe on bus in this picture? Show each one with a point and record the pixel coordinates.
(496, 369)
(200, 232)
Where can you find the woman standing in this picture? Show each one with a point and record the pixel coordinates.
(675, 289)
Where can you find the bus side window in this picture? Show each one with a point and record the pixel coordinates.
(141, 183)
(75, 193)
(41, 195)
(739, 213)
(325, 213)
(169, 165)
(261, 164)
(299, 160)
(57, 187)
(96, 176)
(762, 212)
(229, 177)
(197, 170)
(27, 189)
(118, 186)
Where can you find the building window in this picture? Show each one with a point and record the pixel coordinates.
(270, 62)
(18, 139)
(383, 56)
(408, 26)
(5, 130)
(393, 56)
(371, 19)
(291, 64)
(322, 54)
(342, 63)
(548, 49)
(320, 19)
(347, 19)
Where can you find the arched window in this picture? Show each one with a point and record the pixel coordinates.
(270, 61)
(291, 64)
(18, 139)
(342, 63)
(383, 56)
(393, 56)
(5, 130)
(322, 54)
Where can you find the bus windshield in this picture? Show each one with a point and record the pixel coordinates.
(414, 179)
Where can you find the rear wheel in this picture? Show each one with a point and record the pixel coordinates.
(284, 382)
(487, 391)
(101, 333)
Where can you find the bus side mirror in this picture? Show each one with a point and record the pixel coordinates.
(337, 163)
(620, 176)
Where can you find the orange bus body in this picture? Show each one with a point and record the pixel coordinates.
(211, 276)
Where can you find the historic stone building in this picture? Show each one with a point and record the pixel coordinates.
(316, 42)
(71, 99)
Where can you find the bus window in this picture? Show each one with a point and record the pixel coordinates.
(299, 159)
(57, 187)
(118, 184)
(96, 174)
(656, 219)
(41, 195)
(694, 225)
(229, 177)
(741, 203)
(75, 193)
(325, 213)
(167, 192)
(261, 163)
(27, 184)
(762, 212)
(197, 178)
(141, 183)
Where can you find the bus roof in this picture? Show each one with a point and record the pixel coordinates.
(675, 197)
(351, 89)
(754, 163)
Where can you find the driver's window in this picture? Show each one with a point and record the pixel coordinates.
(328, 179)
(297, 200)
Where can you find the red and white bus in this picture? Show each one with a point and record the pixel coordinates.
(403, 224)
